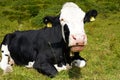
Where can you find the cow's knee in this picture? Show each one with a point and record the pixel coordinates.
(46, 69)
(79, 63)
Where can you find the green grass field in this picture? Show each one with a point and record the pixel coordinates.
(102, 51)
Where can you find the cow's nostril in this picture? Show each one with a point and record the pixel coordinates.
(77, 43)
(74, 37)
(81, 43)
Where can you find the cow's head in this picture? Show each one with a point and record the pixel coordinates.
(72, 20)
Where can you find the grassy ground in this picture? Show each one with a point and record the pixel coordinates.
(102, 52)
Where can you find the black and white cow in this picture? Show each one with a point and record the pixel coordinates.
(48, 49)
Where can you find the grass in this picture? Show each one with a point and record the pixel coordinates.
(102, 51)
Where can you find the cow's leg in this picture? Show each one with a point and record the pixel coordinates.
(4, 64)
(78, 61)
(59, 68)
(43, 66)
(63, 67)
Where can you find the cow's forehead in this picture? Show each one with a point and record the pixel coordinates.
(70, 4)
(71, 12)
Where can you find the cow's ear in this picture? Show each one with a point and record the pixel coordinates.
(90, 16)
(48, 21)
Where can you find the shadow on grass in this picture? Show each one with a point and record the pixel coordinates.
(75, 73)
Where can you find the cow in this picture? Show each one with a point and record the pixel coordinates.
(48, 49)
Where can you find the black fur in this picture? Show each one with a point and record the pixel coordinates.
(45, 46)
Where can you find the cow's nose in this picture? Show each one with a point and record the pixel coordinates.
(82, 37)
(79, 39)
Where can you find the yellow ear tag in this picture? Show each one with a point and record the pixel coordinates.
(92, 19)
(49, 25)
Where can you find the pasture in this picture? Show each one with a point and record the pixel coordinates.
(102, 51)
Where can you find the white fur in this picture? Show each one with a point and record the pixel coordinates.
(79, 63)
(60, 68)
(64, 67)
(30, 64)
(73, 16)
(4, 64)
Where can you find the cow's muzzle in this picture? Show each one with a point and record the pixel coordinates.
(77, 43)
(77, 48)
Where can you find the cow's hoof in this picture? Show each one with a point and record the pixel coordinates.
(8, 69)
(79, 63)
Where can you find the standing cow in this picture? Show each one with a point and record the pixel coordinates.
(48, 48)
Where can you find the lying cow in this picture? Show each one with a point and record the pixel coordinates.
(49, 48)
